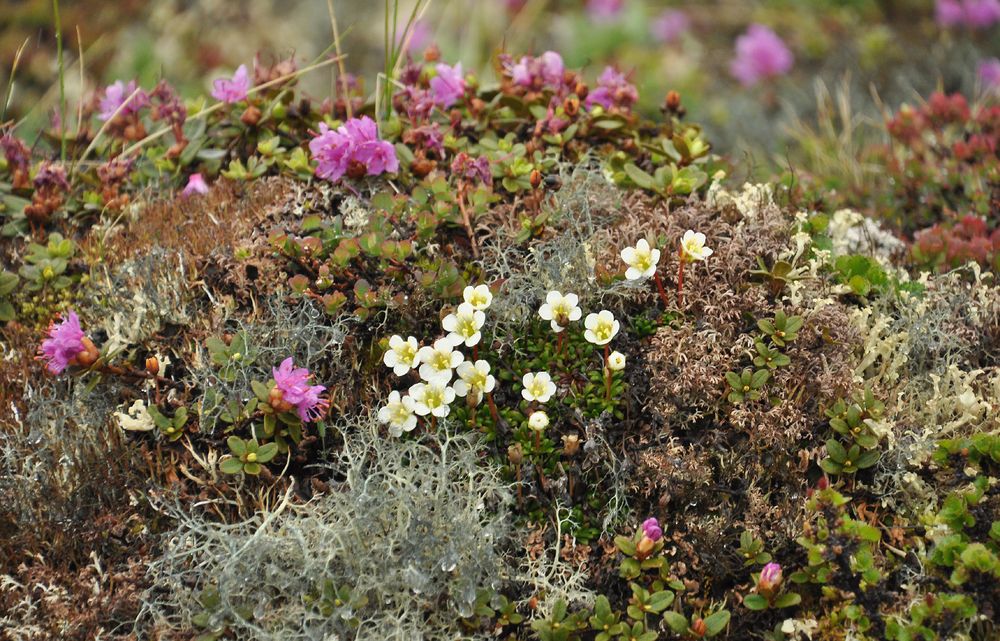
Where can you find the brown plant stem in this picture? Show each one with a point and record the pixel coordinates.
(467, 221)
(659, 288)
(680, 278)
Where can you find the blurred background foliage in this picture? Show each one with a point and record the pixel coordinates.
(877, 54)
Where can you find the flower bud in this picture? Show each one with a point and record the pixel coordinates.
(571, 106)
(770, 579)
(432, 53)
(571, 445)
(616, 361)
(251, 116)
(673, 100)
(88, 356)
(515, 454)
(538, 421)
(581, 90)
(644, 547)
(536, 178)
(153, 365)
(699, 628)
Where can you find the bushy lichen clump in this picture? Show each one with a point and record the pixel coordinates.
(504, 361)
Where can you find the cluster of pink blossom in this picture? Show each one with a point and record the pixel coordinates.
(613, 90)
(354, 149)
(125, 96)
(448, 86)
(670, 25)
(537, 72)
(63, 344)
(292, 389)
(760, 54)
(232, 90)
(974, 14)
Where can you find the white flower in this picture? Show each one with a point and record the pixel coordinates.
(616, 361)
(560, 309)
(538, 387)
(438, 361)
(432, 398)
(402, 355)
(479, 296)
(474, 379)
(398, 413)
(464, 325)
(538, 421)
(601, 327)
(641, 260)
(693, 246)
(136, 418)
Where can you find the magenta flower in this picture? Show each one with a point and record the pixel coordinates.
(546, 69)
(64, 343)
(604, 9)
(651, 529)
(117, 94)
(770, 578)
(613, 89)
(670, 25)
(448, 86)
(295, 390)
(981, 14)
(355, 141)
(420, 35)
(231, 90)
(989, 73)
(760, 54)
(949, 13)
(195, 185)
(975, 14)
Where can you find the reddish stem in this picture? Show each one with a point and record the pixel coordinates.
(659, 288)
(680, 278)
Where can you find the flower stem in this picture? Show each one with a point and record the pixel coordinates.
(434, 422)
(659, 288)
(559, 343)
(680, 278)
(467, 221)
(493, 409)
(607, 375)
(538, 440)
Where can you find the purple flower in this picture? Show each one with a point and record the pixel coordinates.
(64, 343)
(230, 90)
(669, 25)
(770, 578)
(117, 94)
(51, 176)
(420, 35)
(981, 14)
(975, 14)
(604, 9)
(478, 169)
(295, 390)
(448, 86)
(196, 185)
(613, 89)
(546, 69)
(989, 73)
(355, 141)
(949, 13)
(651, 529)
(760, 54)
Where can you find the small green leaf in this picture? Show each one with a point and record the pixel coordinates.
(755, 602)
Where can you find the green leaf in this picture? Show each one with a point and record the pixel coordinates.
(237, 445)
(625, 545)
(836, 450)
(252, 468)
(640, 177)
(867, 459)
(661, 600)
(787, 600)
(231, 465)
(676, 622)
(715, 623)
(260, 391)
(267, 452)
(755, 602)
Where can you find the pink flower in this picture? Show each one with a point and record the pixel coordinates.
(295, 390)
(448, 86)
(546, 69)
(64, 343)
(975, 14)
(651, 529)
(989, 73)
(669, 25)
(604, 9)
(355, 141)
(117, 94)
(770, 578)
(196, 185)
(613, 89)
(230, 90)
(420, 35)
(981, 14)
(760, 54)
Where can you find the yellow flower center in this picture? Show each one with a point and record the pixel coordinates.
(538, 388)
(643, 260)
(603, 331)
(400, 414)
(433, 398)
(406, 353)
(441, 361)
(477, 300)
(467, 327)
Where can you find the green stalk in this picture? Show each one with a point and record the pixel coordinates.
(62, 83)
